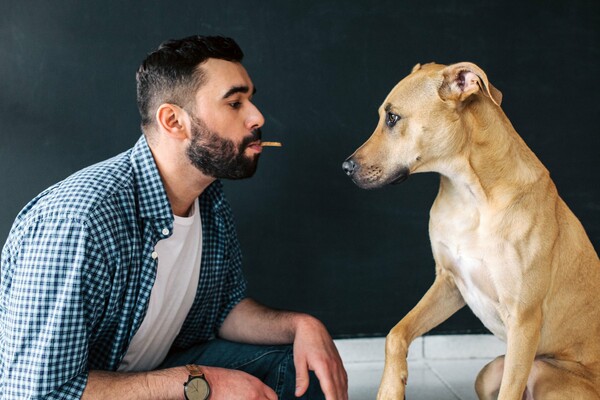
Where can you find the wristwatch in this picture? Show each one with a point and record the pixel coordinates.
(196, 387)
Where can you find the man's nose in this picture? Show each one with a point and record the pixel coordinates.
(349, 166)
(255, 120)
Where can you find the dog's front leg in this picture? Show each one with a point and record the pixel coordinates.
(441, 301)
(523, 337)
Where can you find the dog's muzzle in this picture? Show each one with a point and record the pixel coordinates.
(371, 176)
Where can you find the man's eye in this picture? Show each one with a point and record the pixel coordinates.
(235, 104)
(391, 119)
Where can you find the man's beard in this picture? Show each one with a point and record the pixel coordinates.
(218, 157)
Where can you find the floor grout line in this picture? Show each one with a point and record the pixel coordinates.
(444, 382)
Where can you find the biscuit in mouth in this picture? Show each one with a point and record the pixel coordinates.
(270, 144)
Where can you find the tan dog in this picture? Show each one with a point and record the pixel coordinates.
(503, 240)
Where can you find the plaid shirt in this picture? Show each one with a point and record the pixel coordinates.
(78, 268)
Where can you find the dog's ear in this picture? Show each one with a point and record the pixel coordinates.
(418, 66)
(464, 79)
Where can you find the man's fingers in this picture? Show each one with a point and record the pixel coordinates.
(271, 395)
(334, 382)
(302, 379)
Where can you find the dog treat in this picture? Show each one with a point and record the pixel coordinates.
(271, 144)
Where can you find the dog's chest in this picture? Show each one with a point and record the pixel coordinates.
(479, 291)
(465, 254)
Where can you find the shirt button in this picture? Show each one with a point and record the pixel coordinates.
(154, 255)
(165, 231)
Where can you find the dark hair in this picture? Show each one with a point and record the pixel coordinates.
(171, 74)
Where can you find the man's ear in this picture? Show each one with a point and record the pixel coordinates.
(172, 120)
(465, 79)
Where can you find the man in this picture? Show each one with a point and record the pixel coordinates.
(116, 278)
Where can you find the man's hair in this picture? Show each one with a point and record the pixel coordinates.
(171, 74)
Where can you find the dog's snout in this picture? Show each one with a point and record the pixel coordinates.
(349, 166)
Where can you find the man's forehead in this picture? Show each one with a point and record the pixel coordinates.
(225, 78)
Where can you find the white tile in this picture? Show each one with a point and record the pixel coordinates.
(372, 349)
(416, 349)
(460, 375)
(462, 346)
(423, 383)
(440, 367)
(361, 350)
(363, 380)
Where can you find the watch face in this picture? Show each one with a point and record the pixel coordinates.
(197, 389)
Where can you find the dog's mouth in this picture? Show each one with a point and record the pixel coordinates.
(403, 175)
(400, 177)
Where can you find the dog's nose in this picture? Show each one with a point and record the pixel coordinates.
(349, 166)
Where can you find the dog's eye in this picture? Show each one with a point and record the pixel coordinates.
(391, 119)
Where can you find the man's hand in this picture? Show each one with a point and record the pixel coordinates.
(227, 384)
(314, 350)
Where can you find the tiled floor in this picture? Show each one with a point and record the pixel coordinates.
(439, 367)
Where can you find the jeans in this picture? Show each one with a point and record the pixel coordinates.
(274, 365)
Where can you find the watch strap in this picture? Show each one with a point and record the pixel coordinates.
(194, 370)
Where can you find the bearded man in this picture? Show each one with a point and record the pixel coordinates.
(124, 280)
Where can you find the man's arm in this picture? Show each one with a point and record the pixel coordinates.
(251, 322)
(164, 384)
(42, 318)
(167, 384)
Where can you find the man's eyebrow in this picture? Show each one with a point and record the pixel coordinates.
(238, 89)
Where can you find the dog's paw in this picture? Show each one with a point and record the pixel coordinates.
(393, 381)
(390, 394)
(393, 390)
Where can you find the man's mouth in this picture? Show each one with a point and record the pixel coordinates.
(252, 141)
(255, 146)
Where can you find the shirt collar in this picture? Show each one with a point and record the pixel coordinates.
(152, 198)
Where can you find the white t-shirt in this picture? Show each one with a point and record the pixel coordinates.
(172, 294)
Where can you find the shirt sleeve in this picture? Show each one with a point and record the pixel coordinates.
(235, 281)
(45, 332)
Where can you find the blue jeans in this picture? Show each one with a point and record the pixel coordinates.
(274, 365)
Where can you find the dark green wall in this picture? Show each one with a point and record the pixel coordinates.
(312, 240)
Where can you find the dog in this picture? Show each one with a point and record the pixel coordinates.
(503, 241)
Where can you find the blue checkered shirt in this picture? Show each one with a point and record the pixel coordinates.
(77, 272)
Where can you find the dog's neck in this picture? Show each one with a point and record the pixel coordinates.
(495, 165)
